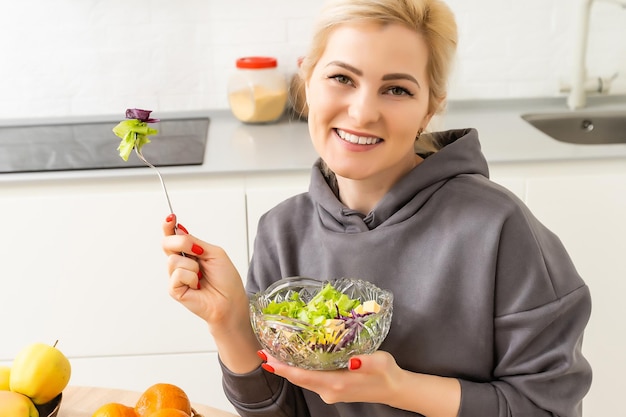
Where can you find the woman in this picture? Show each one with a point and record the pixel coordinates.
(489, 311)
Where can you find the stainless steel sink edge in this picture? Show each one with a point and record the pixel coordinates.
(583, 127)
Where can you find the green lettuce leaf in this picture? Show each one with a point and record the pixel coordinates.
(326, 304)
(134, 133)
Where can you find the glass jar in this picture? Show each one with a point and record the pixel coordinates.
(257, 91)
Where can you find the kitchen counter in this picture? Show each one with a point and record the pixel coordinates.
(234, 147)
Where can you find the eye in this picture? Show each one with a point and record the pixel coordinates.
(399, 91)
(341, 79)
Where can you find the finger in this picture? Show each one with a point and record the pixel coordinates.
(354, 363)
(172, 244)
(298, 376)
(177, 261)
(169, 225)
(181, 280)
(183, 244)
(371, 363)
(181, 230)
(194, 247)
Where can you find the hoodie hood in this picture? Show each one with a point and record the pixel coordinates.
(460, 154)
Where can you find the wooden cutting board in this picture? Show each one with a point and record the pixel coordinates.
(83, 401)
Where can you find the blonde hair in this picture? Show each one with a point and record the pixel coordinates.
(432, 19)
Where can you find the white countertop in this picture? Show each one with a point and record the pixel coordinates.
(234, 147)
(506, 137)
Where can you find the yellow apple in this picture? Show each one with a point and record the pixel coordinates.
(14, 404)
(40, 372)
(5, 374)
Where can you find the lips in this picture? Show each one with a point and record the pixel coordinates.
(357, 140)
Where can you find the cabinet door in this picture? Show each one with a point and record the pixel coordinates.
(82, 263)
(587, 213)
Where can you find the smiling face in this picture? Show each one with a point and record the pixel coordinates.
(368, 99)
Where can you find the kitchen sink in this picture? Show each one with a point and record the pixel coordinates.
(581, 127)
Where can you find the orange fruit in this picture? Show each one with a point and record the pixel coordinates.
(168, 412)
(114, 410)
(160, 396)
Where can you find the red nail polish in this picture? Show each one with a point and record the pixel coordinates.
(355, 363)
(268, 368)
(197, 249)
(170, 218)
(182, 228)
(199, 274)
(261, 355)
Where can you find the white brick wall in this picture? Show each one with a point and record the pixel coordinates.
(76, 57)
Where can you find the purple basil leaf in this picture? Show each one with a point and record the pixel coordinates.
(140, 114)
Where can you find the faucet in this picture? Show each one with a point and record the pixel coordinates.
(578, 91)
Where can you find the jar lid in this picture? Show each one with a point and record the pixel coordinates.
(256, 62)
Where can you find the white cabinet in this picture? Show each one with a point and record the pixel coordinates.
(82, 263)
(584, 203)
(587, 211)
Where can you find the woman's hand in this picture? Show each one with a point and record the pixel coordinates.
(204, 280)
(376, 378)
(369, 378)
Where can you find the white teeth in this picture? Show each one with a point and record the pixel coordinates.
(360, 140)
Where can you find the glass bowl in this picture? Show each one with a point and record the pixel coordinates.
(299, 343)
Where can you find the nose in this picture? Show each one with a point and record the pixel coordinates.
(364, 107)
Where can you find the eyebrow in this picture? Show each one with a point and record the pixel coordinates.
(386, 77)
(400, 76)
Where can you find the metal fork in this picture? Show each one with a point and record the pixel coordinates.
(145, 161)
(167, 196)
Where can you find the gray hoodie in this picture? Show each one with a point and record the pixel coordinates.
(483, 292)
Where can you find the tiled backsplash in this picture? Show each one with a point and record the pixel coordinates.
(70, 57)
